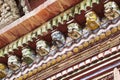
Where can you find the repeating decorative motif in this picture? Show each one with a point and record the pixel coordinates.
(28, 55)
(111, 10)
(59, 42)
(13, 62)
(92, 20)
(58, 39)
(42, 48)
(74, 31)
(86, 62)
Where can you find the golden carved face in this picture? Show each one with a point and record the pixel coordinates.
(92, 20)
(91, 16)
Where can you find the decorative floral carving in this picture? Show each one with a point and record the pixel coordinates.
(42, 48)
(58, 39)
(74, 31)
(8, 12)
(28, 55)
(92, 20)
(111, 10)
(13, 62)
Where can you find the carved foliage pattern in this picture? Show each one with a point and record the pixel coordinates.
(8, 12)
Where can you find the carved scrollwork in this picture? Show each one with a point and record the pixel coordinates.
(28, 55)
(58, 39)
(74, 31)
(111, 10)
(13, 62)
(42, 48)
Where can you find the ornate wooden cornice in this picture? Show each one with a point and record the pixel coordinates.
(34, 19)
(43, 29)
(92, 45)
(79, 60)
(74, 58)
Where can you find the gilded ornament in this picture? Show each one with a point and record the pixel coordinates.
(102, 36)
(75, 50)
(92, 20)
(69, 54)
(113, 30)
(64, 56)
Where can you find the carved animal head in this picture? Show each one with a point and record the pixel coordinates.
(13, 62)
(110, 6)
(26, 52)
(28, 55)
(74, 31)
(91, 16)
(42, 48)
(41, 43)
(111, 10)
(73, 27)
(58, 38)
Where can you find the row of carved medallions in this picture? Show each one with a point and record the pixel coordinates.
(8, 12)
(75, 33)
